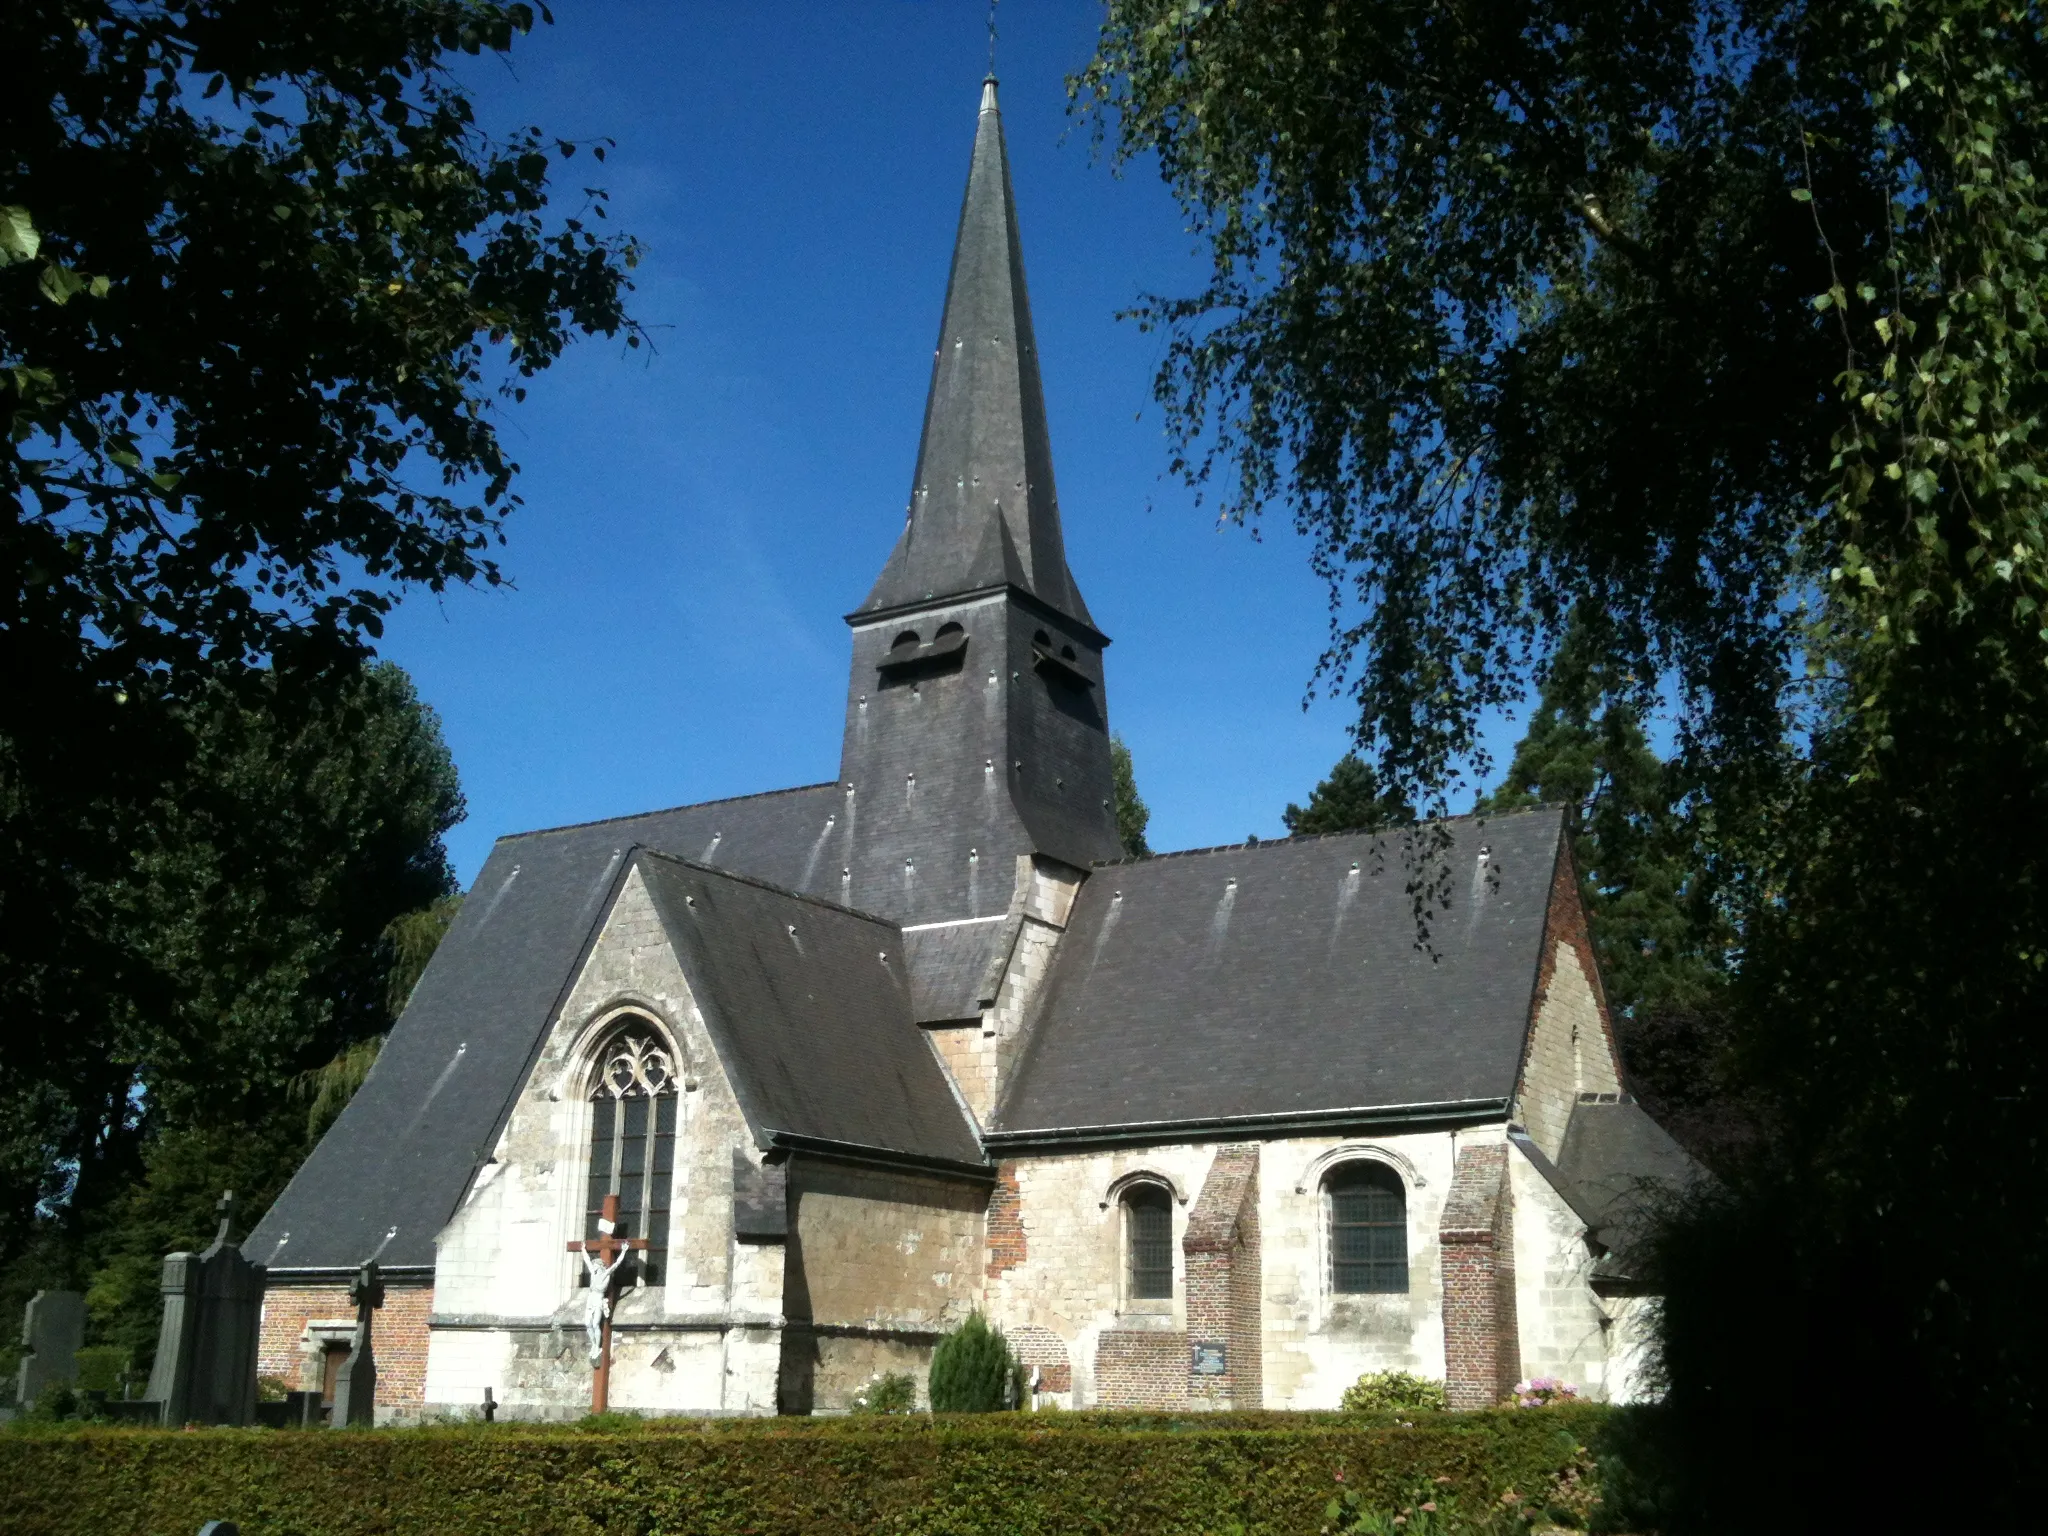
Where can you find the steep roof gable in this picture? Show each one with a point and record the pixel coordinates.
(809, 1005)
(403, 1151)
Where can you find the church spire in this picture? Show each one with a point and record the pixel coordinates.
(983, 510)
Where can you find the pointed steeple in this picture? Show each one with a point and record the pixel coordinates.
(983, 510)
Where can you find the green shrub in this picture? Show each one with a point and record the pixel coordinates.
(973, 1370)
(101, 1367)
(1071, 1474)
(891, 1392)
(1395, 1392)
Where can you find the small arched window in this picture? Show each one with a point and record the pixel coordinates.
(633, 1141)
(1368, 1215)
(1148, 1242)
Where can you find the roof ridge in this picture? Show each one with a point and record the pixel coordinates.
(1255, 844)
(767, 885)
(665, 810)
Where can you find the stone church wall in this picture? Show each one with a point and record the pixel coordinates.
(1568, 1331)
(507, 1311)
(881, 1264)
(1055, 1271)
(1318, 1342)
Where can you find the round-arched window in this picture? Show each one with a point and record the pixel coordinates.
(1148, 1242)
(1368, 1220)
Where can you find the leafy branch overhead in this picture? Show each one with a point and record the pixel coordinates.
(1725, 317)
(263, 276)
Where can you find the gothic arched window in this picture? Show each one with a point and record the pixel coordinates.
(1148, 1242)
(1368, 1212)
(633, 1141)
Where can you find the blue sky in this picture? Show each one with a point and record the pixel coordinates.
(697, 521)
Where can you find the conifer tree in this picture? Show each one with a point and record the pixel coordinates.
(973, 1370)
(1132, 814)
(1349, 800)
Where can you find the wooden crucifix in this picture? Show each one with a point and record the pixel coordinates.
(601, 1260)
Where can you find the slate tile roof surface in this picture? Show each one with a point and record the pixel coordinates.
(809, 1005)
(1283, 979)
(402, 1153)
(1617, 1164)
(949, 964)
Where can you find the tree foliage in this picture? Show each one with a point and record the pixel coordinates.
(1132, 814)
(263, 283)
(250, 922)
(1720, 322)
(1349, 800)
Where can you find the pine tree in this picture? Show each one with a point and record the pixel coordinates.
(1654, 925)
(973, 1370)
(1349, 800)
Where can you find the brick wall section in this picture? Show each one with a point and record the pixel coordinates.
(399, 1339)
(1006, 1243)
(1482, 1346)
(1223, 1279)
(1041, 1347)
(1141, 1368)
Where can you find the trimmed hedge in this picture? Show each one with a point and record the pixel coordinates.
(1000, 1475)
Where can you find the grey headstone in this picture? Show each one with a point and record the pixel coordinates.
(205, 1371)
(52, 1332)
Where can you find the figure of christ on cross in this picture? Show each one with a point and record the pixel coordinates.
(601, 1261)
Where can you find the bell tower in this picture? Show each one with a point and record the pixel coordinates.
(976, 727)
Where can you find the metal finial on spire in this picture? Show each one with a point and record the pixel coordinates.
(991, 39)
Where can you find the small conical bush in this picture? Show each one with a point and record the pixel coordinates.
(973, 1370)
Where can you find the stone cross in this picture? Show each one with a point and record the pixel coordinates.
(355, 1384)
(601, 1261)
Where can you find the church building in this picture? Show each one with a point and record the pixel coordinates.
(1215, 1129)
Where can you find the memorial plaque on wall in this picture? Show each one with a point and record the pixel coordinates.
(1208, 1360)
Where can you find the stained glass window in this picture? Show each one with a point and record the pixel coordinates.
(633, 1143)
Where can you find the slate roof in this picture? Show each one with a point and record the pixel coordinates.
(1282, 981)
(1616, 1163)
(402, 1152)
(983, 509)
(954, 966)
(808, 1003)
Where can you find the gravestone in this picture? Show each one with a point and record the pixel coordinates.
(52, 1332)
(205, 1370)
(355, 1385)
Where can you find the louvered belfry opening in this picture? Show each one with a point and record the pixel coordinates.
(633, 1143)
(1368, 1229)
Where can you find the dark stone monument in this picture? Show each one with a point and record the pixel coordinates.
(490, 1407)
(355, 1385)
(52, 1330)
(205, 1370)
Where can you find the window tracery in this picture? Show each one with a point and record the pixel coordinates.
(633, 1141)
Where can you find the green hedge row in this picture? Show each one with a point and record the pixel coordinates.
(1003, 1475)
